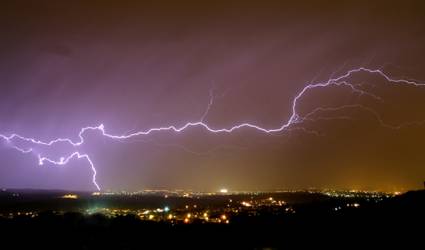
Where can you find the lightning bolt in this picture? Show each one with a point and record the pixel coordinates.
(294, 118)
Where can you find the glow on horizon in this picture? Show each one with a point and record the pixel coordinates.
(224, 191)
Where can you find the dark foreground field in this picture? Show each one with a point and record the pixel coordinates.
(398, 220)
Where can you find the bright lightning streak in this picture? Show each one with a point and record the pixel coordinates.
(294, 118)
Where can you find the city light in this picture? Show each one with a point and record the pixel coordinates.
(246, 204)
(70, 196)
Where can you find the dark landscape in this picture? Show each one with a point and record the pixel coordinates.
(253, 220)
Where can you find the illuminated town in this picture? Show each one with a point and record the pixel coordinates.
(184, 207)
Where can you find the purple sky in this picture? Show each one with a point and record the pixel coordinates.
(137, 65)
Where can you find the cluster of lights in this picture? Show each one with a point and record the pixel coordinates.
(266, 202)
(355, 205)
(70, 196)
(357, 194)
(224, 191)
(246, 204)
(30, 214)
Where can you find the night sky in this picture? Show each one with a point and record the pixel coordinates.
(135, 65)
